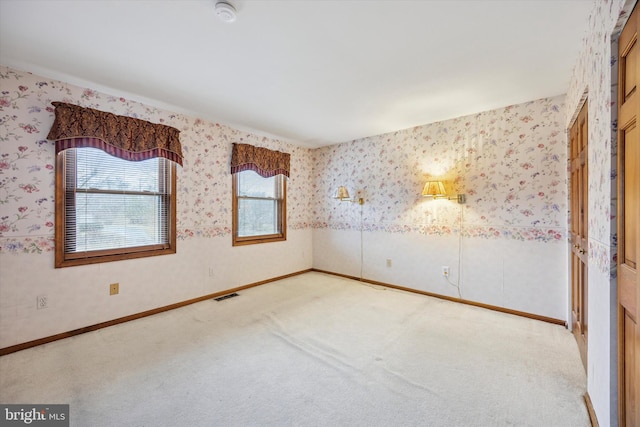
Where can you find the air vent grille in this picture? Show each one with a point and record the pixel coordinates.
(224, 297)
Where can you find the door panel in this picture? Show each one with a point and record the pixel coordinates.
(630, 196)
(627, 292)
(630, 387)
(628, 225)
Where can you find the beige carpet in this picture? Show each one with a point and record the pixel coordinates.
(311, 350)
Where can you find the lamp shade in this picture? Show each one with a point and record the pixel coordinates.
(342, 193)
(434, 189)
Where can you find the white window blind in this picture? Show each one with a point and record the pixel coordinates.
(115, 204)
(259, 204)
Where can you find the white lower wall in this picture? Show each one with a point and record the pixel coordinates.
(79, 296)
(602, 343)
(528, 276)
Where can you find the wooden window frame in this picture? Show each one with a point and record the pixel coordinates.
(265, 238)
(63, 259)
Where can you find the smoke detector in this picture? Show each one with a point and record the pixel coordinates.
(225, 11)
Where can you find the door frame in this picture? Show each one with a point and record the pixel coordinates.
(578, 227)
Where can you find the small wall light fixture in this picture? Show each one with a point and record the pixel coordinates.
(435, 190)
(343, 195)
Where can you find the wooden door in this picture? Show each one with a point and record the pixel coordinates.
(579, 226)
(629, 224)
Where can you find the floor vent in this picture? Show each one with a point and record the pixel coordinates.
(224, 297)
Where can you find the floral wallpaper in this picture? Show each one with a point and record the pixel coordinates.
(204, 183)
(595, 77)
(510, 163)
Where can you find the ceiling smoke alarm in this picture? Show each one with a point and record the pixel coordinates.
(225, 11)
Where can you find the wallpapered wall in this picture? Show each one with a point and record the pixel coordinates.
(595, 77)
(510, 162)
(205, 263)
(506, 246)
(27, 160)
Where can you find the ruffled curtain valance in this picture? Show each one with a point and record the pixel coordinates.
(123, 137)
(264, 162)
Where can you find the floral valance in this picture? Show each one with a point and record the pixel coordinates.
(263, 161)
(124, 137)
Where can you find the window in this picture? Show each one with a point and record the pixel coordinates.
(110, 209)
(259, 208)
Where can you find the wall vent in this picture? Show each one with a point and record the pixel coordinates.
(224, 297)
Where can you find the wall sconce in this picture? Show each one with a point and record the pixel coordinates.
(435, 190)
(343, 195)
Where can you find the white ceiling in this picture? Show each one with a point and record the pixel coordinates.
(314, 72)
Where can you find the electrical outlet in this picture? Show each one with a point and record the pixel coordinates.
(114, 288)
(445, 271)
(211, 272)
(389, 262)
(42, 302)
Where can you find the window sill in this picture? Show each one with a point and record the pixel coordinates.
(61, 261)
(252, 240)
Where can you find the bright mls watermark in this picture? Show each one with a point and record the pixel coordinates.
(34, 415)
